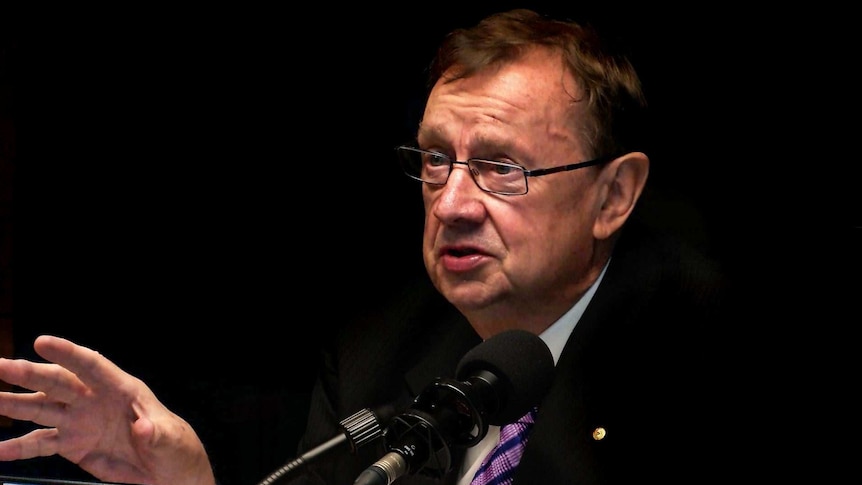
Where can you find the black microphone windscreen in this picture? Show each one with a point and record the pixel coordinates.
(524, 364)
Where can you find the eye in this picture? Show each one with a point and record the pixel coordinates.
(504, 169)
(496, 169)
(436, 159)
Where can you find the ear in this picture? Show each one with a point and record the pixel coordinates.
(622, 182)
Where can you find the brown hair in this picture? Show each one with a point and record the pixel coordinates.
(612, 89)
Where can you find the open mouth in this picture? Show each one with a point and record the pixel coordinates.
(461, 252)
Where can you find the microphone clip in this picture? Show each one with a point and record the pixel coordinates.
(447, 413)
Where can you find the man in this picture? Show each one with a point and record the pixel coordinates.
(528, 150)
(531, 168)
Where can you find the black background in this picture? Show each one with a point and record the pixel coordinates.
(203, 195)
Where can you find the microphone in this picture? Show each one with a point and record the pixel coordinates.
(497, 382)
(358, 429)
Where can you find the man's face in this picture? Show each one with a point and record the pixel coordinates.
(497, 257)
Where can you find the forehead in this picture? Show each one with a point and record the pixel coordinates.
(533, 95)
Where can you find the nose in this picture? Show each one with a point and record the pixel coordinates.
(461, 179)
(460, 198)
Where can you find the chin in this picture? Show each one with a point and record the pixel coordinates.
(466, 295)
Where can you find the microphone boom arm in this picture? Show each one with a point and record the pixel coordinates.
(358, 429)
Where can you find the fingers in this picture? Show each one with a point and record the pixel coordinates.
(40, 442)
(34, 407)
(51, 379)
(57, 388)
(91, 367)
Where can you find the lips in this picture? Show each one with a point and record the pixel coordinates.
(460, 259)
(460, 251)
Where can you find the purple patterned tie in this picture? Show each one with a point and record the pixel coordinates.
(499, 466)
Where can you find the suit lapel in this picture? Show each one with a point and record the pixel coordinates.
(567, 438)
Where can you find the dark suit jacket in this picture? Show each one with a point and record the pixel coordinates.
(647, 364)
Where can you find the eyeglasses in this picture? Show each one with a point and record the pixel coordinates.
(491, 176)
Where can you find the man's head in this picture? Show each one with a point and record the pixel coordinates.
(534, 93)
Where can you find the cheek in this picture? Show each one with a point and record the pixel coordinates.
(427, 199)
(524, 232)
(551, 249)
(427, 204)
(560, 227)
(430, 226)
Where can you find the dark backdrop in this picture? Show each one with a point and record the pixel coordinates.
(203, 195)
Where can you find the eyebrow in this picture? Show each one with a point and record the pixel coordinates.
(480, 142)
(435, 132)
